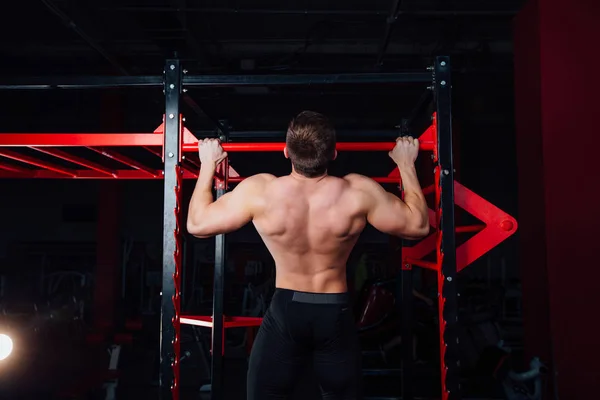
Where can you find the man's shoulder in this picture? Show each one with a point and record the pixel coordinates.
(358, 181)
(260, 178)
(265, 176)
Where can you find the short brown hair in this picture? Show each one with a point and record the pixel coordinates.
(310, 142)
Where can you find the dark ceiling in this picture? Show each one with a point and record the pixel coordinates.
(134, 37)
(114, 37)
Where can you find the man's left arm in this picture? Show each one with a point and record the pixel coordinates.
(231, 211)
(228, 213)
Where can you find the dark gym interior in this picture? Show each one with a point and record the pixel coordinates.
(82, 270)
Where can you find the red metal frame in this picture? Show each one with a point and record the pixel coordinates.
(496, 225)
(76, 160)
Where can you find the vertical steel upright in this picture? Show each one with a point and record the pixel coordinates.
(170, 299)
(449, 354)
(407, 304)
(218, 332)
(407, 331)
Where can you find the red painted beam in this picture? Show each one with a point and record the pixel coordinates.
(16, 170)
(127, 161)
(76, 160)
(156, 139)
(228, 322)
(340, 146)
(80, 139)
(154, 150)
(38, 163)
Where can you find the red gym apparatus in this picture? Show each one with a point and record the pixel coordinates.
(171, 141)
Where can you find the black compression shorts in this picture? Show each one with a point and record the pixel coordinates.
(301, 329)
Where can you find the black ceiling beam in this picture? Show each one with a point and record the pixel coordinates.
(263, 11)
(389, 28)
(148, 81)
(305, 79)
(202, 55)
(80, 82)
(98, 82)
(69, 23)
(179, 6)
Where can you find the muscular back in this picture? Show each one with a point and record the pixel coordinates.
(310, 227)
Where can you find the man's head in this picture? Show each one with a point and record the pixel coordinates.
(310, 143)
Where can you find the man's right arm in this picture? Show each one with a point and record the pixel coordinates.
(388, 213)
(408, 219)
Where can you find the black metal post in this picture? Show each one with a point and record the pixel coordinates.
(449, 312)
(407, 332)
(218, 333)
(169, 339)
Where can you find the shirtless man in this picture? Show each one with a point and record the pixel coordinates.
(309, 221)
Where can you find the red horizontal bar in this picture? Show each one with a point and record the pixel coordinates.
(343, 146)
(126, 160)
(18, 171)
(189, 168)
(38, 163)
(155, 151)
(207, 323)
(422, 263)
(74, 159)
(191, 161)
(228, 322)
(80, 139)
(156, 139)
(429, 190)
(470, 228)
(88, 174)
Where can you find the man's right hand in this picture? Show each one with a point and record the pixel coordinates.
(406, 151)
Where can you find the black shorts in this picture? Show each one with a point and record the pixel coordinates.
(302, 329)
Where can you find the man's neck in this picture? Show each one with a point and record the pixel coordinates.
(303, 178)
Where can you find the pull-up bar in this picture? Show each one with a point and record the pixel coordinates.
(156, 139)
(343, 146)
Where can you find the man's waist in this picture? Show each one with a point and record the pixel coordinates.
(312, 297)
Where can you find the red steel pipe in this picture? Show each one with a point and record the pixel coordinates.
(156, 139)
(80, 139)
(192, 161)
(76, 160)
(18, 171)
(422, 263)
(38, 163)
(189, 168)
(155, 151)
(429, 190)
(343, 146)
(470, 228)
(125, 160)
(85, 174)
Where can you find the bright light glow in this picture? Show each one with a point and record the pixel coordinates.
(6, 346)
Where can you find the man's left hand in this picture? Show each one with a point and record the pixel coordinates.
(211, 152)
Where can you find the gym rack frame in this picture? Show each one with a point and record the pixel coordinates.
(171, 140)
